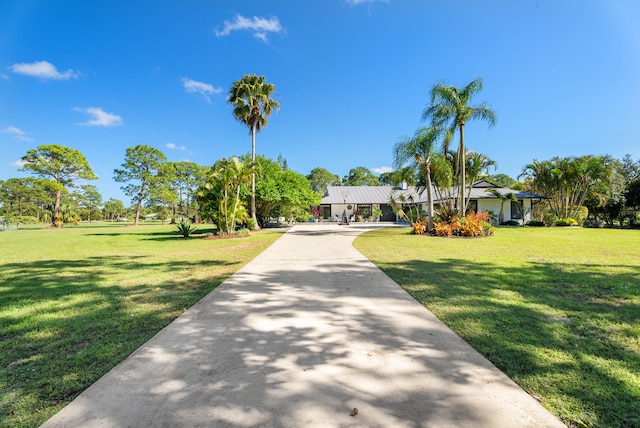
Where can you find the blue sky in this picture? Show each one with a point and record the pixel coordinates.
(352, 78)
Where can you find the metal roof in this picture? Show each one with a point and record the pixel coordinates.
(382, 194)
(368, 194)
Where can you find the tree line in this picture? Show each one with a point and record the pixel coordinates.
(593, 189)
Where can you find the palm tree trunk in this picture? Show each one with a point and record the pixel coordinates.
(253, 175)
(461, 157)
(427, 174)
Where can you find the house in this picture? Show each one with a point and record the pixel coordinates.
(354, 201)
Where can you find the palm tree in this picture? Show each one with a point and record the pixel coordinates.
(450, 110)
(227, 176)
(477, 165)
(252, 105)
(503, 198)
(418, 151)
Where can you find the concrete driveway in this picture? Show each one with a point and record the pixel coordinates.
(299, 337)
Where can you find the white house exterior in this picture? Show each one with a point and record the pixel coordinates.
(354, 201)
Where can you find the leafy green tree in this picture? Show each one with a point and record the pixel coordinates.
(280, 192)
(91, 200)
(395, 178)
(221, 193)
(418, 151)
(360, 176)
(502, 180)
(113, 208)
(632, 194)
(629, 169)
(61, 164)
(450, 110)
(252, 105)
(477, 166)
(319, 178)
(186, 177)
(28, 196)
(140, 169)
(568, 181)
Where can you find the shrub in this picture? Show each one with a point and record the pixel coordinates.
(535, 223)
(185, 229)
(582, 214)
(251, 224)
(24, 219)
(550, 219)
(474, 224)
(566, 222)
(419, 227)
(511, 223)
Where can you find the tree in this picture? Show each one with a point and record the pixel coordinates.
(252, 105)
(280, 192)
(417, 151)
(568, 181)
(632, 194)
(113, 208)
(141, 164)
(91, 199)
(450, 111)
(62, 164)
(360, 176)
(503, 198)
(502, 180)
(221, 192)
(477, 166)
(319, 178)
(25, 196)
(395, 178)
(186, 177)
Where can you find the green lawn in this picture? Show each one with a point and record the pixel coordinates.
(75, 302)
(558, 310)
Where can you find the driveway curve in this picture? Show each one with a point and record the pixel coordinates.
(301, 336)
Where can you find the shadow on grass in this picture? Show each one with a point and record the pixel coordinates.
(281, 348)
(571, 327)
(64, 323)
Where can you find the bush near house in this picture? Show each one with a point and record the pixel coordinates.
(473, 224)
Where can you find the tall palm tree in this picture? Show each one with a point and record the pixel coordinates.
(252, 105)
(450, 110)
(418, 151)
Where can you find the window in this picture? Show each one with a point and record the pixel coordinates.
(364, 211)
(473, 206)
(516, 210)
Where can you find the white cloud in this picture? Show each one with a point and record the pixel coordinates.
(260, 27)
(18, 164)
(99, 117)
(43, 70)
(173, 146)
(382, 169)
(204, 89)
(17, 133)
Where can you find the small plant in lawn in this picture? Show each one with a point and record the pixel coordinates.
(185, 229)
